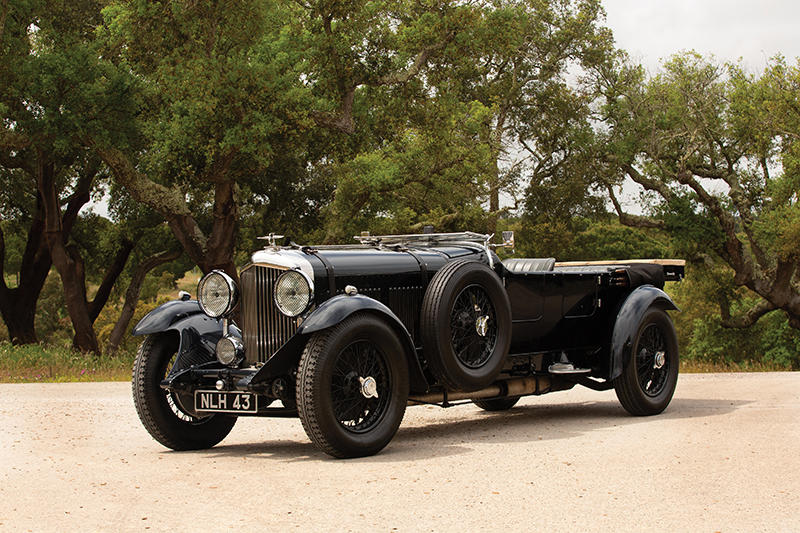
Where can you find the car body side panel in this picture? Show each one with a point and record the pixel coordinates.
(627, 322)
(551, 310)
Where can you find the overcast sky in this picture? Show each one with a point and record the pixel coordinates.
(754, 30)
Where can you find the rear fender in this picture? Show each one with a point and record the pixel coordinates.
(626, 326)
(338, 308)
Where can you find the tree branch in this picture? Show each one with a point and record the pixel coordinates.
(168, 202)
(342, 120)
(419, 63)
(747, 319)
(634, 221)
(79, 197)
(647, 183)
(739, 200)
(132, 294)
(733, 246)
(110, 278)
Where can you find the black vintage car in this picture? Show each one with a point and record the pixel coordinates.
(345, 337)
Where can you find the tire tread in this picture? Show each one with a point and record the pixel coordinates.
(198, 437)
(626, 385)
(322, 430)
(306, 397)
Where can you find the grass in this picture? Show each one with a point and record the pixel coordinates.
(36, 363)
(43, 363)
(706, 367)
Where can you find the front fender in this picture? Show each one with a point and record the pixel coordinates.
(197, 332)
(338, 308)
(164, 316)
(626, 325)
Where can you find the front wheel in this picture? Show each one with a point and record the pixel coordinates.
(162, 412)
(352, 387)
(648, 382)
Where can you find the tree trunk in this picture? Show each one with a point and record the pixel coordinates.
(112, 274)
(496, 149)
(18, 305)
(221, 242)
(19, 316)
(70, 267)
(65, 258)
(132, 295)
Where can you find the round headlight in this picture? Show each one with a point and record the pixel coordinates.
(293, 292)
(217, 294)
(229, 350)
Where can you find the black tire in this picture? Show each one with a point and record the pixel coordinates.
(160, 411)
(336, 414)
(643, 388)
(459, 295)
(497, 404)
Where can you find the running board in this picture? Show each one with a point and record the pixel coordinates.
(567, 368)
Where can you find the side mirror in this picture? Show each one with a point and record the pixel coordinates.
(508, 238)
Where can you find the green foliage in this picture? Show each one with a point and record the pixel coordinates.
(770, 341)
(704, 339)
(52, 320)
(714, 147)
(429, 175)
(334, 118)
(588, 239)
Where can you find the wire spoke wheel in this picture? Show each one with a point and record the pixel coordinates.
(352, 386)
(465, 325)
(172, 400)
(648, 381)
(473, 327)
(354, 410)
(651, 364)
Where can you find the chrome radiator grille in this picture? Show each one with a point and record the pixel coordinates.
(264, 328)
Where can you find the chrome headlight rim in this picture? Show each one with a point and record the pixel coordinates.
(234, 353)
(309, 284)
(233, 294)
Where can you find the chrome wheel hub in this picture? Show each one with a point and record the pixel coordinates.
(482, 325)
(659, 360)
(369, 387)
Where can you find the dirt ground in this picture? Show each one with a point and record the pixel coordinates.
(723, 457)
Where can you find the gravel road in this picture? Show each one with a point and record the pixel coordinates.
(723, 457)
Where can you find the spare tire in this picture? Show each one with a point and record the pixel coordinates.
(466, 325)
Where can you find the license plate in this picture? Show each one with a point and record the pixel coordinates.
(225, 402)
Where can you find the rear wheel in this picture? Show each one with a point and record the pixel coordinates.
(648, 382)
(497, 404)
(352, 387)
(162, 412)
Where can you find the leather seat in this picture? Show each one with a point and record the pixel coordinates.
(529, 264)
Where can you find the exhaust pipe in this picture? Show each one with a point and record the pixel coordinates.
(512, 387)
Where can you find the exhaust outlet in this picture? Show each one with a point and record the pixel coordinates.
(512, 387)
